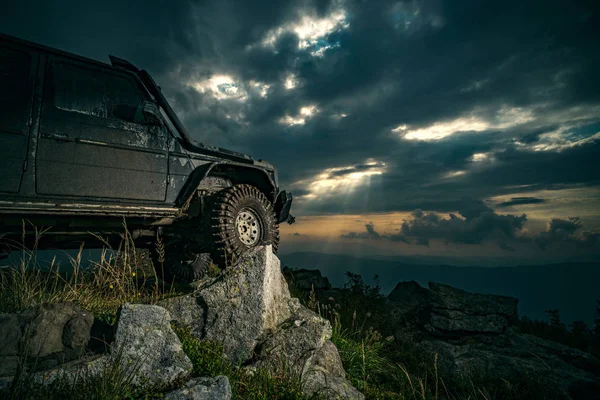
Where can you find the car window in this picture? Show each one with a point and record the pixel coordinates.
(96, 93)
(15, 89)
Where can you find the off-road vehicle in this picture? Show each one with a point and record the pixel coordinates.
(85, 145)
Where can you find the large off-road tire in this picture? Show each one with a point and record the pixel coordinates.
(241, 218)
(180, 260)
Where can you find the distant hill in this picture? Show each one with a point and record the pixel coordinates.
(573, 288)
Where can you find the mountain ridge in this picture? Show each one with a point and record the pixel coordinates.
(571, 287)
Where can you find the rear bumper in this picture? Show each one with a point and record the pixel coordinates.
(283, 204)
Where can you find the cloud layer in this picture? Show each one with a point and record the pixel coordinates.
(373, 106)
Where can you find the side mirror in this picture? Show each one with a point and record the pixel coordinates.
(151, 113)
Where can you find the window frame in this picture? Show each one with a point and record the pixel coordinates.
(90, 119)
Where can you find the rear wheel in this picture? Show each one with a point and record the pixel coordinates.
(181, 260)
(241, 218)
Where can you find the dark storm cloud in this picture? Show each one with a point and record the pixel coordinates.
(393, 66)
(369, 234)
(517, 201)
(566, 231)
(473, 229)
(478, 224)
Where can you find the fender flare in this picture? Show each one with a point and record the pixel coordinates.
(255, 176)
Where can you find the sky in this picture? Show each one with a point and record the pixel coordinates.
(445, 128)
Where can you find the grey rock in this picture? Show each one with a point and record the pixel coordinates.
(306, 279)
(513, 354)
(46, 330)
(47, 335)
(461, 321)
(445, 311)
(409, 292)
(473, 335)
(217, 388)
(301, 344)
(10, 334)
(455, 310)
(147, 347)
(188, 310)
(236, 308)
(296, 339)
(449, 298)
(324, 375)
(249, 310)
(9, 365)
(69, 372)
(76, 334)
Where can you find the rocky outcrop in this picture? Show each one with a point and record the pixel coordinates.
(454, 311)
(323, 374)
(217, 388)
(301, 344)
(306, 279)
(298, 337)
(236, 308)
(474, 334)
(146, 346)
(146, 351)
(249, 311)
(47, 335)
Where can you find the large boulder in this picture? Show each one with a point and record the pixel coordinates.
(296, 339)
(235, 309)
(301, 344)
(324, 374)
(473, 334)
(205, 388)
(146, 344)
(306, 279)
(455, 311)
(248, 309)
(46, 335)
(146, 351)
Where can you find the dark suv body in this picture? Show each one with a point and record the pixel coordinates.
(84, 145)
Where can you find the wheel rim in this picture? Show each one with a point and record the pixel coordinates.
(248, 227)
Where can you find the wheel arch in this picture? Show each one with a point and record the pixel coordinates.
(236, 173)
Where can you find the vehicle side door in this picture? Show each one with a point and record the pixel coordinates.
(17, 74)
(94, 140)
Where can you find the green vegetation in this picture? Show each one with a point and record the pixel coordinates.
(578, 335)
(377, 363)
(112, 382)
(120, 275)
(207, 359)
(384, 367)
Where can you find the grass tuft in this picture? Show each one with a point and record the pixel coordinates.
(260, 383)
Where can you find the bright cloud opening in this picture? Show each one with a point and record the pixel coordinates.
(290, 82)
(311, 31)
(482, 157)
(260, 87)
(221, 87)
(505, 118)
(303, 115)
(440, 130)
(453, 174)
(339, 116)
(342, 179)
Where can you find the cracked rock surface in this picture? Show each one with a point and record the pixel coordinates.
(249, 310)
(474, 334)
